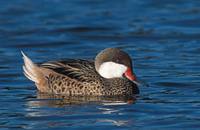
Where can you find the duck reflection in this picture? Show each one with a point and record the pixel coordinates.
(79, 110)
(62, 100)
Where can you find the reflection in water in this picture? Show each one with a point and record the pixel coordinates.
(114, 122)
(60, 110)
(62, 100)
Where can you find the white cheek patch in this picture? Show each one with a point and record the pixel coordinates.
(112, 70)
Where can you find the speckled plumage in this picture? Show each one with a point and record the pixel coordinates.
(79, 77)
(74, 77)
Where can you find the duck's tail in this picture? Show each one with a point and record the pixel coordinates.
(31, 70)
(35, 73)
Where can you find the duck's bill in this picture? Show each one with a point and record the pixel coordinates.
(130, 75)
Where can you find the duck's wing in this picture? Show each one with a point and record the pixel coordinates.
(77, 69)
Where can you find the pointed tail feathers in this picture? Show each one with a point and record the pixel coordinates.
(31, 70)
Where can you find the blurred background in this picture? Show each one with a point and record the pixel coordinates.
(161, 36)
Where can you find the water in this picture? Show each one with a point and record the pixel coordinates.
(162, 37)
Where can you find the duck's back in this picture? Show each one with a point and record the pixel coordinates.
(73, 77)
(77, 69)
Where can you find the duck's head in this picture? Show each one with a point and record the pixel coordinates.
(114, 63)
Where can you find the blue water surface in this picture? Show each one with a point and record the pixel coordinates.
(162, 36)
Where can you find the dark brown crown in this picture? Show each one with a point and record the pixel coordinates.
(113, 55)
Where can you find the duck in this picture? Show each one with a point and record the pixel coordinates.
(109, 74)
